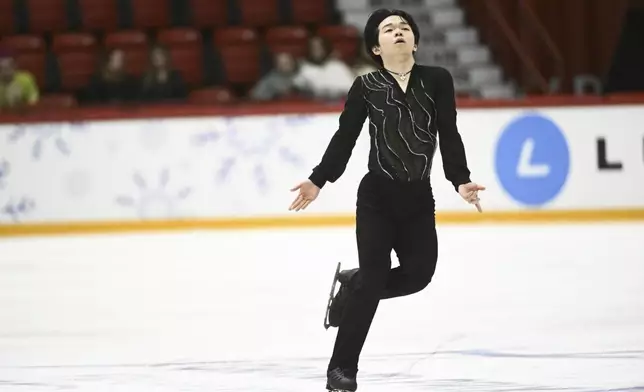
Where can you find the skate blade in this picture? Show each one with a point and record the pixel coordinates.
(336, 277)
(328, 388)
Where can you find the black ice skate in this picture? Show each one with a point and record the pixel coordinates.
(338, 380)
(337, 302)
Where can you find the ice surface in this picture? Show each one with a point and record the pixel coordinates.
(510, 309)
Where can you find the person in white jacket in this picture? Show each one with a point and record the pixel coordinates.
(321, 74)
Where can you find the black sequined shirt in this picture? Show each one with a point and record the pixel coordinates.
(405, 127)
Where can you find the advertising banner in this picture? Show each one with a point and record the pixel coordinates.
(203, 168)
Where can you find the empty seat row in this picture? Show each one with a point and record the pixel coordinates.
(76, 56)
(237, 53)
(55, 16)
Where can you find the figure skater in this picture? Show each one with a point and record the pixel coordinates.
(411, 112)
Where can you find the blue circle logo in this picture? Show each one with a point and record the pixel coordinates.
(532, 160)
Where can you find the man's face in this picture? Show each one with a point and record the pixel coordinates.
(317, 49)
(285, 63)
(116, 60)
(159, 58)
(7, 69)
(395, 37)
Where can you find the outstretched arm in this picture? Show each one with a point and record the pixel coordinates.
(337, 154)
(335, 158)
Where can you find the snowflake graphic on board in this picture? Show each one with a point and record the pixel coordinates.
(5, 169)
(17, 208)
(13, 208)
(42, 135)
(253, 144)
(154, 201)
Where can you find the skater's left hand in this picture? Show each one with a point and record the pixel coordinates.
(470, 193)
(308, 192)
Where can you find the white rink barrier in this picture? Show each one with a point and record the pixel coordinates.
(567, 163)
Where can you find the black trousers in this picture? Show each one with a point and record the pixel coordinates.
(390, 215)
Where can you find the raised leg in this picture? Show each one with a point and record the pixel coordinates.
(416, 245)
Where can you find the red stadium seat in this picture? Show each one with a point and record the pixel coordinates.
(235, 35)
(47, 16)
(186, 51)
(57, 101)
(7, 23)
(134, 45)
(29, 52)
(310, 11)
(240, 53)
(126, 39)
(344, 39)
(259, 13)
(288, 39)
(212, 96)
(23, 43)
(77, 59)
(209, 13)
(150, 13)
(73, 42)
(98, 14)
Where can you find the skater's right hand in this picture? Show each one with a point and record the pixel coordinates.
(470, 193)
(308, 192)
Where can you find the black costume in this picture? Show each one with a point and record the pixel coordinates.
(395, 204)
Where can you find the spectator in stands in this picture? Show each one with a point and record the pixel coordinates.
(162, 82)
(321, 74)
(278, 83)
(111, 84)
(17, 88)
(363, 64)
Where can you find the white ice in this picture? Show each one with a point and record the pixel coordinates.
(525, 308)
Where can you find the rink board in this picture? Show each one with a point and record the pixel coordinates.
(538, 164)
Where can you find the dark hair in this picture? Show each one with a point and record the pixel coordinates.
(371, 29)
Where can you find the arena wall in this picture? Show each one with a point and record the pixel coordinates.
(165, 168)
